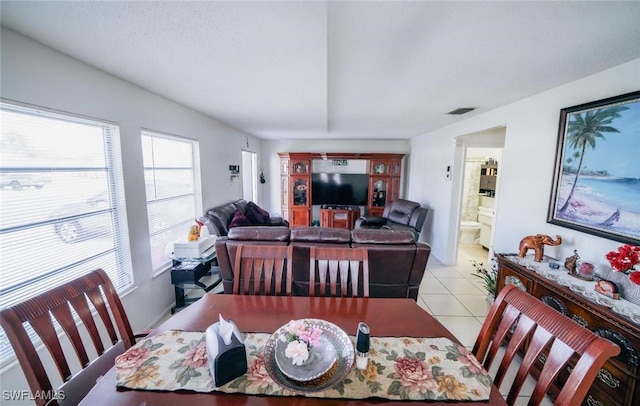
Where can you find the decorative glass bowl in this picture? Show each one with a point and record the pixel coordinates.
(323, 372)
(321, 359)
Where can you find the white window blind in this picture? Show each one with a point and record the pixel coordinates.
(62, 206)
(170, 173)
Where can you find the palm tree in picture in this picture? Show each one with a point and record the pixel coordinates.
(567, 168)
(576, 155)
(583, 130)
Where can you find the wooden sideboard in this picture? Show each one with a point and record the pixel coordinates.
(617, 382)
(384, 170)
(339, 218)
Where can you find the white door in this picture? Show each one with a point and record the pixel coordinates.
(249, 171)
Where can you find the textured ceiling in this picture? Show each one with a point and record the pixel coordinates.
(345, 70)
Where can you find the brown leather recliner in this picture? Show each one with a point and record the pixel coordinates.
(396, 260)
(397, 251)
(401, 215)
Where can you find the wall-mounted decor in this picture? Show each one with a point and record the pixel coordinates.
(596, 184)
(234, 171)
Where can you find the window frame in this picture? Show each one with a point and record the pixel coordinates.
(116, 258)
(196, 193)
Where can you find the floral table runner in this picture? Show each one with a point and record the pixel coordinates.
(399, 368)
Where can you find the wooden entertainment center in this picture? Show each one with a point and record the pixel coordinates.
(384, 172)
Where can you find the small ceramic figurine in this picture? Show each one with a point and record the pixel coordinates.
(571, 262)
(194, 231)
(607, 288)
(537, 243)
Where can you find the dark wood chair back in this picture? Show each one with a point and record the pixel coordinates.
(348, 266)
(263, 270)
(525, 326)
(90, 293)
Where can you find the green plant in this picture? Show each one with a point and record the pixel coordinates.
(488, 277)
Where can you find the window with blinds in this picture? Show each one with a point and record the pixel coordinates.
(169, 173)
(62, 206)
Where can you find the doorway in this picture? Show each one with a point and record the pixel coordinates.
(249, 176)
(479, 168)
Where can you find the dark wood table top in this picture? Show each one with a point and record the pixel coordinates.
(265, 314)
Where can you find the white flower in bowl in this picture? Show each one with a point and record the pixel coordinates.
(296, 327)
(297, 351)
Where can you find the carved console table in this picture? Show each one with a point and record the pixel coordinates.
(616, 320)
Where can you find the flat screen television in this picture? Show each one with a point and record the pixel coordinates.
(339, 189)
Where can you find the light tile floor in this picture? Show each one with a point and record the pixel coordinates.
(457, 299)
(454, 296)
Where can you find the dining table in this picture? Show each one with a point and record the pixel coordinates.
(388, 317)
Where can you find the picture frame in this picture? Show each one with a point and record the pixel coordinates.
(596, 181)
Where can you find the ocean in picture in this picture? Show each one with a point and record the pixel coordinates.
(603, 203)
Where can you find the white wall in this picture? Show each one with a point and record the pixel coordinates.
(270, 148)
(32, 73)
(526, 168)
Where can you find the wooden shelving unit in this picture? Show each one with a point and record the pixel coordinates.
(385, 174)
(488, 177)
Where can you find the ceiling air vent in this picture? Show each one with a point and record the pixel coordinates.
(461, 110)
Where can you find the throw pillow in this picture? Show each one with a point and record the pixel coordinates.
(256, 214)
(239, 220)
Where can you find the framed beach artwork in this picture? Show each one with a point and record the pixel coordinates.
(596, 184)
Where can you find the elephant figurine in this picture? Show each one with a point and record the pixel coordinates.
(537, 243)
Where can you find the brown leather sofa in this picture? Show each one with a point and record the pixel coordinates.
(396, 260)
(400, 214)
(218, 219)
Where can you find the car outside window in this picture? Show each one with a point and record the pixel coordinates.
(62, 206)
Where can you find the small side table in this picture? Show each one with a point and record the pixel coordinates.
(344, 217)
(186, 274)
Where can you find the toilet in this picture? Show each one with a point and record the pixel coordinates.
(469, 232)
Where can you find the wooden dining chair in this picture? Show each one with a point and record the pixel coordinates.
(348, 266)
(85, 295)
(263, 270)
(520, 323)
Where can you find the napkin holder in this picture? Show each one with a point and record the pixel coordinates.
(226, 361)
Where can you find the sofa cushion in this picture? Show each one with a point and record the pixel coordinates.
(256, 214)
(239, 220)
(259, 233)
(402, 227)
(223, 214)
(320, 235)
(401, 210)
(382, 236)
(241, 205)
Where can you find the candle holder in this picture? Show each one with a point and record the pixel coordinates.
(584, 270)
